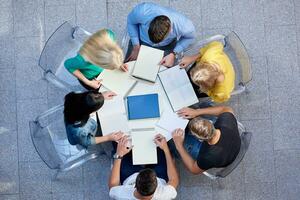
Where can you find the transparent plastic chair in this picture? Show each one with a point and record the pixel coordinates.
(50, 140)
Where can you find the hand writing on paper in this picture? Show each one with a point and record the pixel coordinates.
(134, 54)
(161, 142)
(168, 61)
(187, 113)
(122, 148)
(108, 95)
(115, 136)
(178, 137)
(94, 83)
(124, 67)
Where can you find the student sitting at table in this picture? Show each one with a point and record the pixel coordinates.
(159, 27)
(217, 144)
(213, 74)
(100, 51)
(81, 119)
(128, 181)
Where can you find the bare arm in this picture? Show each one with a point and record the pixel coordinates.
(114, 179)
(171, 169)
(188, 161)
(92, 83)
(192, 113)
(122, 150)
(173, 176)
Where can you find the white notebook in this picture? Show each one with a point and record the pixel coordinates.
(147, 63)
(178, 87)
(171, 121)
(118, 81)
(144, 149)
(111, 112)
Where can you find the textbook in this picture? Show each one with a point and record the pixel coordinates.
(143, 106)
(178, 87)
(112, 116)
(118, 81)
(171, 121)
(147, 64)
(144, 149)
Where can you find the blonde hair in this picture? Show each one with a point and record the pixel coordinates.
(101, 50)
(201, 128)
(205, 75)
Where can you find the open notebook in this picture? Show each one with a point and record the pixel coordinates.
(118, 81)
(144, 149)
(147, 64)
(112, 116)
(178, 87)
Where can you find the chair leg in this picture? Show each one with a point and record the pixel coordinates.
(210, 176)
(54, 177)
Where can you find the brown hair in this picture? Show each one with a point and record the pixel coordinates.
(159, 28)
(205, 75)
(201, 128)
(146, 182)
(101, 50)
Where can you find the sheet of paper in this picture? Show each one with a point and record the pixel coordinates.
(147, 63)
(114, 123)
(118, 81)
(112, 116)
(144, 149)
(170, 121)
(178, 87)
(112, 106)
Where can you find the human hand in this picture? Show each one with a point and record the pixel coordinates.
(186, 61)
(178, 137)
(115, 136)
(187, 113)
(124, 67)
(134, 54)
(122, 148)
(161, 142)
(94, 83)
(108, 95)
(168, 61)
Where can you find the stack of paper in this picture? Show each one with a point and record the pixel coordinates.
(118, 81)
(178, 87)
(171, 121)
(112, 116)
(147, 63)
(144, 149)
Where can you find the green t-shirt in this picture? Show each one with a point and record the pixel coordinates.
(89, 70)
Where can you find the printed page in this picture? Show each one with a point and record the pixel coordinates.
(144, 149)
(147, 64)
(178, 87)
(171, 121)
(118, 81)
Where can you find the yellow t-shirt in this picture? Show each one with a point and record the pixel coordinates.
(213, 53)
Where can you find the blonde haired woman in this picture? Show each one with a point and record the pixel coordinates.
(100, 51)
(213, 73)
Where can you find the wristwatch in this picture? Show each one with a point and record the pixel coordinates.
(116, 156)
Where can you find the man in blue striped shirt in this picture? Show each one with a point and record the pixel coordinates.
(160, 27)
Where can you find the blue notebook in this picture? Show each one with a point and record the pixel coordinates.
(143, 106)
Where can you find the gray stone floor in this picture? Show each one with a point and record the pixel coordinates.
(271, 32)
